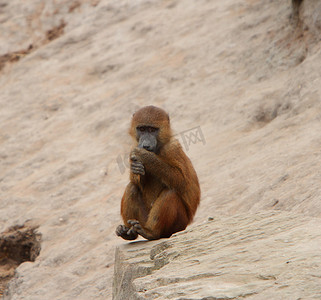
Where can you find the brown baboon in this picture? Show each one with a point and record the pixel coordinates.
(163, 193)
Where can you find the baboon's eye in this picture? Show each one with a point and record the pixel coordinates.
(141, 128)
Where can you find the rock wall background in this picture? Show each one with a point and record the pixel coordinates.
(246, 73)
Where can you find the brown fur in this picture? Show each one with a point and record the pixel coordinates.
(165, 199)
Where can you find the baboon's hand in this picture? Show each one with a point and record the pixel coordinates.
(142, 155)
(126, 233)
(136, 166)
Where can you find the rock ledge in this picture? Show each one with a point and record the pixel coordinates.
(269, 255)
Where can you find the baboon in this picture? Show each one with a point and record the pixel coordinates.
(163, 193)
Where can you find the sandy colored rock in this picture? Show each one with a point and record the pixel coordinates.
(264, 256)
(245, 74)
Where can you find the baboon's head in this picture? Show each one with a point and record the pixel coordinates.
(150, 128)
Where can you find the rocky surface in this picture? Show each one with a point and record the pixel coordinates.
(18, 244)
(244, 74)
(263, 256)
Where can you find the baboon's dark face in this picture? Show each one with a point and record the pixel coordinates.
(147, 138)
